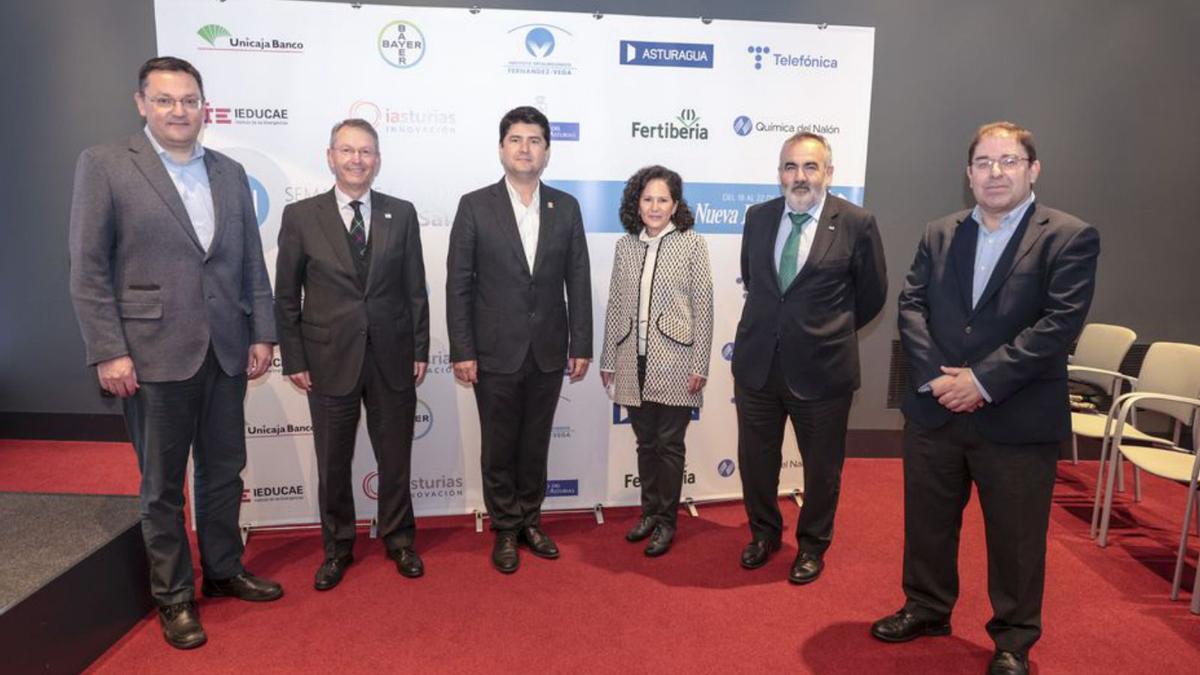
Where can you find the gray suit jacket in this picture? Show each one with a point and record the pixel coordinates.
(141, 283)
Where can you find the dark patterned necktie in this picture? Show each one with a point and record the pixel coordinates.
(358, 232)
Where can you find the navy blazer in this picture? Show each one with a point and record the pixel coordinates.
(1016, 338)
(814, 321)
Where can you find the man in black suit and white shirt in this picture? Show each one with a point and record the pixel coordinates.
(814, 273)
(994, 300)
(353, 317)
(515, 246)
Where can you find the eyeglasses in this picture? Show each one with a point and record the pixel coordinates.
(1007, 163)
(346, 152)
(165, 103)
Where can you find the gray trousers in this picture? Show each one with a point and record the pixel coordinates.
(202, 414)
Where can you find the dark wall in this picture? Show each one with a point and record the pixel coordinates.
(1109, 88)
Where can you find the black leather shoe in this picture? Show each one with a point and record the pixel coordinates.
(504, 554)
(660, 541)
(330, 573)
(539, 542)
(641, 529)
(806, 568)
(904, 626)
(1008, 663)
(408, 563)
(244, 586)
(756, 553)
(181, 625)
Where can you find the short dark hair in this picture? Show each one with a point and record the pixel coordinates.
(632, 220)
(170, 63)
(354, 123)
(1024, 137)
(525, 114)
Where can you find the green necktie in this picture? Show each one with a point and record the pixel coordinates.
(788, 263)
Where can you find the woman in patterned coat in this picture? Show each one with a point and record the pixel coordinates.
(657, 339)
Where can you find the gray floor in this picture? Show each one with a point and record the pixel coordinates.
(43, 535)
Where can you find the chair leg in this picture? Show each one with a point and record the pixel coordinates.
(1113, 472)
(1097, 503)
(1137, 484)
(1074, 449)
(1183, 537)
(1120, 472)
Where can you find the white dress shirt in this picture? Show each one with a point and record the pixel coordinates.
(806, 234)
(529, 219)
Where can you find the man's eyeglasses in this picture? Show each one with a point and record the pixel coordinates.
(1007, 163)
(165, 103)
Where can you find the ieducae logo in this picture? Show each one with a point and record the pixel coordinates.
(401, 44)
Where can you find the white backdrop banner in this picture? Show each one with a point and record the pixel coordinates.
(712, 101)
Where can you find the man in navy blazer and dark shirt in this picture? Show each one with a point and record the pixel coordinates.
(814, 274)
(517, 251)
(994, 300)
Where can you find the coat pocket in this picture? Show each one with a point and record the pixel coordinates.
(675, 330)
(140, 310)
(314, 332)
(628, 332)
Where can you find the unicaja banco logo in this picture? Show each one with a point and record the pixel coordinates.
(401, 44)
(219, 38)
(211, 32)
(685, 126)
(742, 126)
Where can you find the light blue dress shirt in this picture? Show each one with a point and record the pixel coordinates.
(807, 232)
(191, 181)
(990, 245)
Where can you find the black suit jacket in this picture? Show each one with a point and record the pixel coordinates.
(1016, 339)
(496, 309)
(814, 321)
(327, 333)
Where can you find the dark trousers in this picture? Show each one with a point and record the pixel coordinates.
(1015, 484)
(165, 420)
(820, 428)
(516, 417)
(390, 427)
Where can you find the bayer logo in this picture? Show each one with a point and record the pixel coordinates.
(742, 126)
(539, 42)
(422, 420)
(726, 468)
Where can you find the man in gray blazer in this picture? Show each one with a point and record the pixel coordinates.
(517, 248)
(174, 303)
(353, 319)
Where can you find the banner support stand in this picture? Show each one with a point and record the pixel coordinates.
(798, 497)
(598, 511)
(691, 507)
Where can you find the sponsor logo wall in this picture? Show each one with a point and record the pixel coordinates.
(712, 101)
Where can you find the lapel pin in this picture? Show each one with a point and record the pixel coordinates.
(549, 205)
(387, 215)
(831, 228)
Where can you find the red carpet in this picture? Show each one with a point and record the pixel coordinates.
(605, 608)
